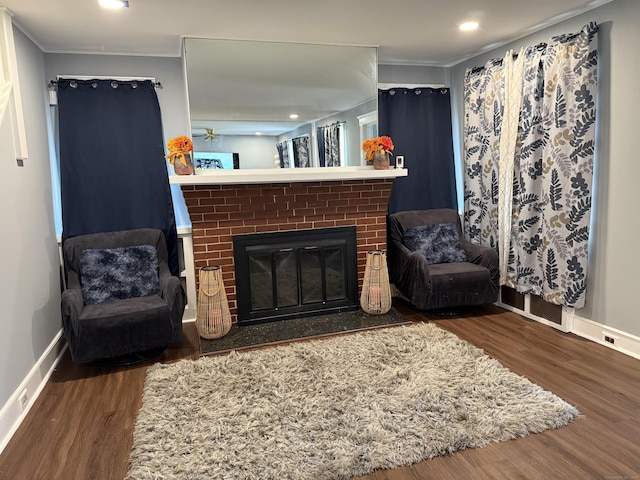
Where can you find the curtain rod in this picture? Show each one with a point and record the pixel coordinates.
(410, 86)
(498, 61)
(340, 122)
(156, 84)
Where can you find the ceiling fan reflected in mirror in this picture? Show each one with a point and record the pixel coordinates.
(210, 135)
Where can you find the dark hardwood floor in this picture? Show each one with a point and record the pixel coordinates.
(81, 425)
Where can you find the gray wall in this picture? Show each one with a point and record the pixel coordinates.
(412, 74)
(29, 284)
(613, 271)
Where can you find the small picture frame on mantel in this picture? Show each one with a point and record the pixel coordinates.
(399, 161)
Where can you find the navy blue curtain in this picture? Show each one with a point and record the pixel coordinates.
(113, 174)
(419, 123)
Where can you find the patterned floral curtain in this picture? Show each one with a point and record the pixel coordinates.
(283, 153)
(484, 106)
(552, 164)
(301, 152)
(329, 145)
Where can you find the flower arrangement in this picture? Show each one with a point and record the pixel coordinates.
(377, 144)
(178, 147)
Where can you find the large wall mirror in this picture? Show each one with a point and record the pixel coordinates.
(267, 101)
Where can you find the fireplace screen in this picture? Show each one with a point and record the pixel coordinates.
(288, 274)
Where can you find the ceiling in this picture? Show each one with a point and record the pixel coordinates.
(407, 32)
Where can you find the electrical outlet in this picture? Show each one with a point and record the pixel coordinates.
(23, 399)
(609, 339)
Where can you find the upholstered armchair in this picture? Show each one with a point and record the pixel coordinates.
(121, 302)
(434, 266)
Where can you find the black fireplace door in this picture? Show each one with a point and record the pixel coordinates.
(284, 275)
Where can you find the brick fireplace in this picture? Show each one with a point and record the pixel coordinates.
(220, 211)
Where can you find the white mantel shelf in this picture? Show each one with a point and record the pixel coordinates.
(288, 175)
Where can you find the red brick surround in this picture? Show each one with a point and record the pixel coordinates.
(220, 211)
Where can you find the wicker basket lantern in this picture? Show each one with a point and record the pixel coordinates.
(213, 319)
(376, 291)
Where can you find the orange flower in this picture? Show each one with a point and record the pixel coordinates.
(180, 144)
(378, 144)
(177, 147)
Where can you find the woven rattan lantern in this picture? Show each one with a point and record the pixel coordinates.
(376, 291)
(213, 319)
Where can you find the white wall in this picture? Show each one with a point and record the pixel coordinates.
(29, 284)
(613, 286)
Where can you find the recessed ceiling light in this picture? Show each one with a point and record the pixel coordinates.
(258, 133)
(468, 26)
(293, 116)
(114, 4)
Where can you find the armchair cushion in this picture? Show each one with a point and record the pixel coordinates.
(118, 273)
(439, 243)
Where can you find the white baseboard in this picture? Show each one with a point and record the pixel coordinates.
(596, 332)
(189, 315)
(12, 413)
(571, 323)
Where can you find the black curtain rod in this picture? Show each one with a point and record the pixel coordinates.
(334, 123)
(498, 61)
(53, 83)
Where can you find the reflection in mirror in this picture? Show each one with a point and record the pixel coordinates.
(280, 104)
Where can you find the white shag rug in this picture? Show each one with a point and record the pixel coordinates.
(332, 408)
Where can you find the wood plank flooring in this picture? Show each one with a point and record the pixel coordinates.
(81, 425)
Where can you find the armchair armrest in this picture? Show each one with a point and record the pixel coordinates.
(409, 272)
(172, 291)
(484, 256)
(72, 304)
(71, 307)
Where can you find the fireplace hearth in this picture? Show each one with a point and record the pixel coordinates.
(289, 274)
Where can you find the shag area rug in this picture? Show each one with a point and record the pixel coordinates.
(332, 408)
